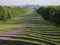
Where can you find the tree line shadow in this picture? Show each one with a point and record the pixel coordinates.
(15, 42)
(39, 22)
(18, 42)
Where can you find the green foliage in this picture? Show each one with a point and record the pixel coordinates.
(9, 12)
(50, 13)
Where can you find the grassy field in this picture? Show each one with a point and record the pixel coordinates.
(38, 32)
(14, 23)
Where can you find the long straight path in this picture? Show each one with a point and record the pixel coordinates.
(15, 32)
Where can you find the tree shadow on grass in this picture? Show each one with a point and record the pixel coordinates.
(39, 22)
(19, 42)
(14, 42)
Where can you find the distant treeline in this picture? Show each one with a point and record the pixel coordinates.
(10, 12)
(50, 13)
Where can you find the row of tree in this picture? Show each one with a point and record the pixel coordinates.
(50, 13)
(9, 12)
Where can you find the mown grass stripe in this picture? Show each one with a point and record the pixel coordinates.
(39, 36)
(42, 39)
(31, 41)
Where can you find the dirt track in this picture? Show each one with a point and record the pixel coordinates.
(15, 32)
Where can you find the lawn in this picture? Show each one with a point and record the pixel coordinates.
(38, 32)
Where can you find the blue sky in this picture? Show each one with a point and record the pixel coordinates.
(30, 2)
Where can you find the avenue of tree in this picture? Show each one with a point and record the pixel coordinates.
(50, 13)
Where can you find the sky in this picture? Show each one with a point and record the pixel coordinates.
(30, 2)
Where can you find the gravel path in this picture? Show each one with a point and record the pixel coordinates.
(15, 32)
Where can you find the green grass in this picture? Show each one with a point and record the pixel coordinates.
(14, 23)
(38, 32)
